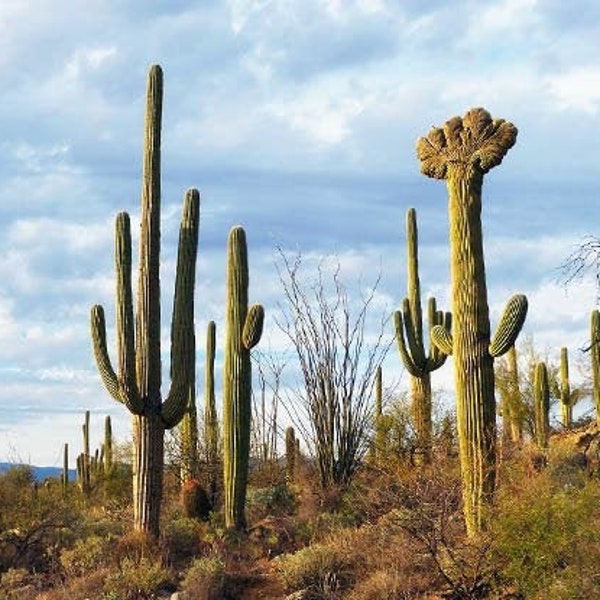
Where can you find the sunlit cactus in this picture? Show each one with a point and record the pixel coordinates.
(244, 330)
(211, 421)
(541, 405)
(136, 381)
(568, 397)
(595, 359)
(418, 360)
(462, 152)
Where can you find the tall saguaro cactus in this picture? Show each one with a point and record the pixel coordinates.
(244, 329)
(408, 326)
(541, 404)
(137, 381)
(211, 422)
(462, 152)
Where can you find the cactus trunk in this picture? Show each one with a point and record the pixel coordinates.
(541, 403)
(244, 328)
(211, 423)
(595, 359)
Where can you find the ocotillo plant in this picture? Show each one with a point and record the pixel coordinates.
(595, 358)
(568, 398)
(408, 326)
(541, 404)
(137, 381)
(244, 329)
(462, 152)
(211, 422)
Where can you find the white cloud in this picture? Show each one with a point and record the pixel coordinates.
(578, 89)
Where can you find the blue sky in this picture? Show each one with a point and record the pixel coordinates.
(297, 120)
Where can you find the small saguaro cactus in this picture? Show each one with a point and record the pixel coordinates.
(595, 359)
(65, 472)
(462, 152)
(568, 398)
(211, 421)
(541, 404)
(244, 330)
(137, 381)
(108, 446)
(408, 325)
(290, 455)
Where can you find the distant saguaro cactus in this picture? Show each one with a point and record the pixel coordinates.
(541, 404)
(108, 445)
(408, 324)
(595, 354)
(65, 472)
(568, 398)
(211, 421)
(137, 381)
(244, 330)
(290, 455)
(462, 152)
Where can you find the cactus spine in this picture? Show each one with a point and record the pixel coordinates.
(595, 358)
(244, 329)
(408, 326)
(462, 152)
(137, 381)
(211, 422)
(541, 404)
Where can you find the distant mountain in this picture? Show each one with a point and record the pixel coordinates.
(40, 473)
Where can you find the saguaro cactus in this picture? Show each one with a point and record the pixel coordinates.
(541, 404)
(211, 422)
(65, 472)
(108, 446)
(137, 381)
(290, 455)
(462, 152)
(595, 357)
(408, 326)
(568, 398)
(189, 428)
(244, 329)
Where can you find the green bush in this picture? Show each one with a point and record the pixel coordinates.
(273, 501)
(205, 579)
(138, 579)
(85, 556)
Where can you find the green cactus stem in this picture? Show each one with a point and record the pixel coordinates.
(462, 152)
(568, 398)
(108, 446)
(65, 472)
(136, 382)
(408, 326)
(541, 404)
(211, 422)
(244, 329)
(513, 404)
(290, 455)
(595, 360)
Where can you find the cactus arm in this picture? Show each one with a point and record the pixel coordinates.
(413, 302)
(125, 326)
(182, 330)
(442, 339)
(435, 317)
(253, 326)
(107, 373)
(509, 326)
(405, 355)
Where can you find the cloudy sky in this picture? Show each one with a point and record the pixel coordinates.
(297, 120)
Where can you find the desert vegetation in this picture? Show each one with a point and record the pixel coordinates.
(361, 493)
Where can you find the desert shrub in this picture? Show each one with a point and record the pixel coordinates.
(182, 538)
(273, 501)
(546, 538)
(320, 569)
(139, 579)
(86, 555)
(206, 579)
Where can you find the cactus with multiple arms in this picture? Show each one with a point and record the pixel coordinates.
(408, 325)
(137, 381)
(541, 404)
(244, 329)
(462, 152)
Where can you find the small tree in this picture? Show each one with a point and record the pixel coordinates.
(338, 359)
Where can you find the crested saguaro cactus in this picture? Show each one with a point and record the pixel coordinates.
(462, 152)
(408, 325)
(136, 382)
(244, 329)
(541, 404)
